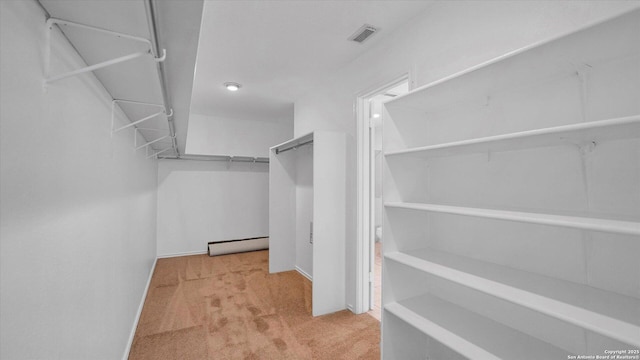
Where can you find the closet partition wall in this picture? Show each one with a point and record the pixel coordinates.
(307, 214)
(512, 205)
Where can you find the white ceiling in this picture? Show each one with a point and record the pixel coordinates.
(276, 49)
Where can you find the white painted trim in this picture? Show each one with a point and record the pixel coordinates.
(363, 230)
(304, 273)
(362, 263)
(186, 253)
(125, 356)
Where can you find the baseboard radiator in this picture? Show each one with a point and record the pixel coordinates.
(238, 246)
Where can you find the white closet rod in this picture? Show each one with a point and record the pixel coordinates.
(230, 159)
(155, 45)
(293, 147)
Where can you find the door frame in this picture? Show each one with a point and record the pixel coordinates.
(365, 194)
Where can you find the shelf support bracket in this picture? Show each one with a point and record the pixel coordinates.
(47, 63)
(583, 71)
(96, 66)
(152, 142)
(159, 152)
(138, 121)
(116, 101)
(585, 149)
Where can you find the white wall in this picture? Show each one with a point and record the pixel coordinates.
(304, 208)
(77, 208)
(449, 37)
(203, 201)
(211, 135)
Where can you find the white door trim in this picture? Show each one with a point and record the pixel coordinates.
(364, 223)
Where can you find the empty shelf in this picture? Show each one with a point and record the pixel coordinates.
(293, 143)
(594, 131)
(585, 223)
(532, 64)
(470, 334)
(600, 311)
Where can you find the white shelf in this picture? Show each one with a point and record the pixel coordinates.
(561, 56)
(469, 334)
(600, 311)
(574, 134)
(294, 143)
(584, 223)
(569, 99)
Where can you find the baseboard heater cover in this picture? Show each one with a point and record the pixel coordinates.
(238, 246)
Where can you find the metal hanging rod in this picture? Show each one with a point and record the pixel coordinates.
(155, 45)
(138, 103)
(53, 21)
(293, 147)
(223, 158)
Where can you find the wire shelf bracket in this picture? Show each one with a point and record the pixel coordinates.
(155, 154)
(47, 63)
(114, 102)
(138, 147)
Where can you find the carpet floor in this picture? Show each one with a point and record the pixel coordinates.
(230, 307)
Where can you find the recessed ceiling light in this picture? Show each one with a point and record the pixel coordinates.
(376, 116)
(232, 86)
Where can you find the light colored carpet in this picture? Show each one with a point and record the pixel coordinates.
(230, 307)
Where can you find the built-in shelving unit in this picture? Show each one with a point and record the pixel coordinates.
(307, 214)
(599, 311)
(474, 336)
(512, 204)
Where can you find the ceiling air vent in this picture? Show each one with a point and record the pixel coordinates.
(363, 33)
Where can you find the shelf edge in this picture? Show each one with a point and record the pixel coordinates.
(584, 223)
(511, 54)
(627, 120)
(596, 322)
(442, 335)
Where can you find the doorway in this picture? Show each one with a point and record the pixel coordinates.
(370, 208)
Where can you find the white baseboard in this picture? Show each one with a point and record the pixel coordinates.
(187, 253)
(304, 273)
(137, 318)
